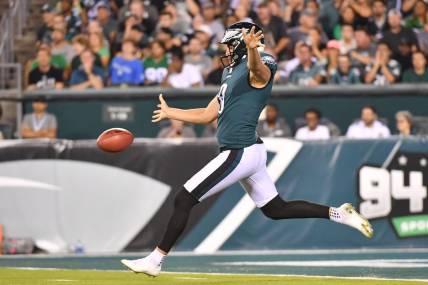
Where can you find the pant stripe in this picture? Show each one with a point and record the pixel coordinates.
(219, 174)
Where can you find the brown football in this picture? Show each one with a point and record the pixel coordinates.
(115, 139)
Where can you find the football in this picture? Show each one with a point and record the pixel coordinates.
(115, 140)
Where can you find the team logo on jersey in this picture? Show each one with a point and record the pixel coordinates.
(398, 191)
(268, 59)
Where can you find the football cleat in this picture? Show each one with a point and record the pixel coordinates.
(143, 265)
(354, 219)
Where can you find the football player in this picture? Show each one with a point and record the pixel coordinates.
(245, 88)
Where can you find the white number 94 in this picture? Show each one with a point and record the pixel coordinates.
(378, 186)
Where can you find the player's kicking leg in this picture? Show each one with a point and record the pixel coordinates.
(264, 194)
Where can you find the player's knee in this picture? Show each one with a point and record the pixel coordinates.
(184, 200)
(274, 209)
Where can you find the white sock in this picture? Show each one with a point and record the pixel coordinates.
(156, 257)
(335, 215)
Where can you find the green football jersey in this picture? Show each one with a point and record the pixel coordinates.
(241, 104)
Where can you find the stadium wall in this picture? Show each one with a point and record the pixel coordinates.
(65, 192)
(84, 114)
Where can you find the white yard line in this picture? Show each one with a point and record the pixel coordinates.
(302, 276)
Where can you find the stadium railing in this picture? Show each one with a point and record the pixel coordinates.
(11, 25)
(11, 94)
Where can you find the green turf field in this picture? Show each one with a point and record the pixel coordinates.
(88, 277)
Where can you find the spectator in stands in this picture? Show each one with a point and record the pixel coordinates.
(166, 37)
(404, 123)
(384, 70)
(139, 37)
(97, 46)
(240, 15)
(369, 127)
(418, 19)
(44, 33)
(273, 125)
(126, 68)
(318, 47)
(88, 75)
(45, 76)
(57, 60)
(307, 22)
(80, 43)
(404, 56)
(292, 12)
(60, 46)
(347, 17)
(143, 17)
(345, 74)
(307, 73)
(365, 51)
(156, 65)
(59, 23)
(329, 16)
(181, 74)
(198, 24)
(347, 43)
(273, 29)
(107, 22)
(197, 57)
(205, 39)
(378, 23)
(331, 64)
(132, 29)
(397, 33)
(210, 19)
(39, 123)
(90, 8)
(181, 15)
(419, 72)
(313, 130)
(284, 70)
(362, 11)
(71, 17)
(94, 27)
(165, 21)
(176, 129)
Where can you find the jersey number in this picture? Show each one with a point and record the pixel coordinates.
(220, 96)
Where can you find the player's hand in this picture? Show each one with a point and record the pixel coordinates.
(252, 40)
(162, 112)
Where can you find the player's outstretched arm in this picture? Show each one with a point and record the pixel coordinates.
(259, 73)
(194, 116)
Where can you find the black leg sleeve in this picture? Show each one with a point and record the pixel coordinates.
(278, 209)
(183, 204)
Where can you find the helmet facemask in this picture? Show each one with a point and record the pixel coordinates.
(236, 49)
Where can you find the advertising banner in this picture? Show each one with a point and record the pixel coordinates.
(62, 193)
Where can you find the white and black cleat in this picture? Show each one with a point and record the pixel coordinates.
(142, 265)
(354, 219)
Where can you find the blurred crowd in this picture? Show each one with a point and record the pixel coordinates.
(99, 43)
